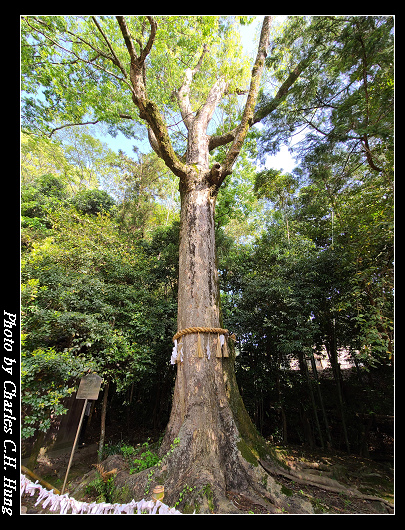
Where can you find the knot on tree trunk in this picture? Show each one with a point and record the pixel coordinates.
(215, 173)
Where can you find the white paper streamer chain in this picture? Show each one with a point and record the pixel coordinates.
(64, 503)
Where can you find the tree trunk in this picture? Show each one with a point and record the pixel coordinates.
(210, 444)
(202, 417)
(103, 416)
(332, 352)
(324, 415)
(32, 462)
(305, 373)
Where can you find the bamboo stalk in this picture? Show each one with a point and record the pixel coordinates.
(33, 475)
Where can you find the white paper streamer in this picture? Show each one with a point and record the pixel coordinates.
(174, 353)
(64, 503)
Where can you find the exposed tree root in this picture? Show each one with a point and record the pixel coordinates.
(322, 482)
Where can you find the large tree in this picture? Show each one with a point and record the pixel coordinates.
(162, 71)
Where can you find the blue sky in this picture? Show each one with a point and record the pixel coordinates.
(282, 160)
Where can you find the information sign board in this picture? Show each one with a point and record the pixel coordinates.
(89, 387)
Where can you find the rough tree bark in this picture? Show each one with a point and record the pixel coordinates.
(211, 445)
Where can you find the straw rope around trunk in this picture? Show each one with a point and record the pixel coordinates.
(221, 343)
(189, 331)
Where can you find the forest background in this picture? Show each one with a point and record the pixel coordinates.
(305, 257)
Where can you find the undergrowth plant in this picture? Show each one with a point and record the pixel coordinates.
(103, 485)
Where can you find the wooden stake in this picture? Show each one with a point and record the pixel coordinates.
(74, 445)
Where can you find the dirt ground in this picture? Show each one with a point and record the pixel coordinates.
(367, 476)
(52, 468)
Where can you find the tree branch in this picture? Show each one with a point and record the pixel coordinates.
(148, 110)
(205, 113)
(127, 38)
(223, 139)
(91, 62)
(72, 125)
(136, 61)
(283, 90)
(183, 94)
(247, 116)
(369, 156)
(114, 58)
(264, 111)
(153, 28)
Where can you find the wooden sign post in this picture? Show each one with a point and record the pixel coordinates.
(89, 388)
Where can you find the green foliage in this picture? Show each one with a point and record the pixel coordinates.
(90, 88)
(147, 193)
(325, 283)
(287, 299)
(46, 193)
(344, 198)
(92, 292)
(275, 186)
(183, 495)
(344, 94)
(238, 212)
(85, 300)
(140, 457)
(47, 377)
(93, 201)
(148, 459)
